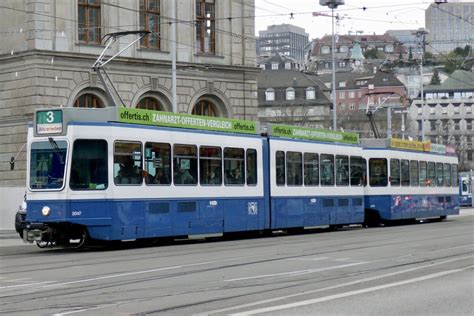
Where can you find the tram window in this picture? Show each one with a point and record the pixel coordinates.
(311, 169)
(414, 173)
(327, 169)
(234, 166)
(454, 175)
(47, 164)
(439, 174)
(423, 182)
(89, 165)
(342, 170)
(157, 164)
(357, 171)
(378, 172)
(395, 172)
(405, 172)
(447, 175)
(280, 167)
(293, 168)
(210, 165)
(185, 165)
(431, 174)
(251, 167)
(127, 163)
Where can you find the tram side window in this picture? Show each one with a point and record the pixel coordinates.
(327, 169)
(414, 173)
(357, 171)
(311, 169)
(431, 174)
(280, 167)
(89, 165)
(234, 166)
(378, 172)
(210, 165)
(439, 174)
(447, 175)
(294, 168)
(185, 165)
(157, 164)
(342, 170)
(395, 172)
(454, 175)
(423, 174)
(251, 167)
(127, 163)
(405, 172)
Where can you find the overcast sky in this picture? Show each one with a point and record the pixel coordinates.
(379, 15)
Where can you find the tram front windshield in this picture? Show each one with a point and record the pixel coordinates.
(48, 159)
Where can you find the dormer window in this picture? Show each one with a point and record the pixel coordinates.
(270, 94)
(287, 65)
(274, 66)
(290, 94)
(310, 93)
(325, 50)
(342, 84)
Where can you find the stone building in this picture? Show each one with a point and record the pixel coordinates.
(286, 39)
(48, 47)
(446, 114)
(287, 95)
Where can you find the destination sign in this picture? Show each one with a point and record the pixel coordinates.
(314, 134)
(49, 122)
(158, 118)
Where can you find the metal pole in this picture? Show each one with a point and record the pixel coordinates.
(403, 125)
(334, 108)
(389, 122)
(422, 102)
(173, 57)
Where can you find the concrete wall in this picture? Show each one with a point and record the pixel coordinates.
(11, 198)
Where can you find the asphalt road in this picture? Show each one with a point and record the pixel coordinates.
(424, 269)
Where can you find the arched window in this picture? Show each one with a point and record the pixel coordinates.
(310, 93)
(270, 94)
(205, 108)
(150, 103)
(290, 93)
(88, 100)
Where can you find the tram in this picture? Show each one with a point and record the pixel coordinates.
(120, 174)
(409, 184)
(465, 188)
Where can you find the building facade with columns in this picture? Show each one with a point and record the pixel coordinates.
(48, 48)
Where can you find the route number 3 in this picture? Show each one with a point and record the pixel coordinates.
(50, 117)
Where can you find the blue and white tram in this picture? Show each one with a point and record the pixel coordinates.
(465, 188)
(315, 184)
(113, 181)
(405, 184)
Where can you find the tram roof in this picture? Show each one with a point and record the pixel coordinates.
(54, 121)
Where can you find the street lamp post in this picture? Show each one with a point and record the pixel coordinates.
(333, 4)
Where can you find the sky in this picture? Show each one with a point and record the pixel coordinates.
(378, 16)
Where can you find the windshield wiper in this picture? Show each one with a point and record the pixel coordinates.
(57, 151)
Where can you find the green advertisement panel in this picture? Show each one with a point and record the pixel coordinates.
(49, 122)
(314, 134)
(157, 118)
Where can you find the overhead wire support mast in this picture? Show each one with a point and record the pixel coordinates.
(99, 64)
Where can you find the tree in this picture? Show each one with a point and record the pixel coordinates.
(373, 53)
(435, 80)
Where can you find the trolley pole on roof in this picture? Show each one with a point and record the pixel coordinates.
(99, 64)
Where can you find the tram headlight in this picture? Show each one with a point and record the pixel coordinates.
(46, 210)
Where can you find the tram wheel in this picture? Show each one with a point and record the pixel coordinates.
(45, 244)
